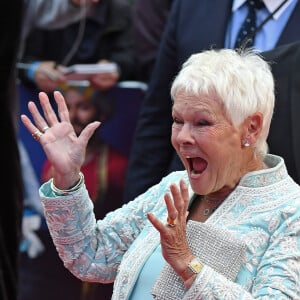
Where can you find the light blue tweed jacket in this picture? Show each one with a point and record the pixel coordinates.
(263, 211)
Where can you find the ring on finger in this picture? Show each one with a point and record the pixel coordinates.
(37, 135)
(45, 128)
(171, 222)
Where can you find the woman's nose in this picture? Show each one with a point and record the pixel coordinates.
(185, 134)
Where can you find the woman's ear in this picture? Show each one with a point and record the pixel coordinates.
(253, 126)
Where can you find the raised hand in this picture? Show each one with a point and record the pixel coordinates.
(175, 248)
(63, 148)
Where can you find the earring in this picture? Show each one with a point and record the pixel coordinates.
(246, 143)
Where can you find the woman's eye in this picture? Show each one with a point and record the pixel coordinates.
(203, 123)
(176, 121)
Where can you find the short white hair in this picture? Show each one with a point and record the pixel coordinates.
(243, 81)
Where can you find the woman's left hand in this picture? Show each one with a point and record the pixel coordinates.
(175, 248)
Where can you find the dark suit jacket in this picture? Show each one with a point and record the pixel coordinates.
(284, 137)
(193, 26)
(149, 19)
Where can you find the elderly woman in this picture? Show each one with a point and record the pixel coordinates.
(228, 227)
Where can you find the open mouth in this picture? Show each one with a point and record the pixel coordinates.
(197, 165)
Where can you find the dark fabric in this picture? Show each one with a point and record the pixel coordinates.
(284, 137)
(149, 19)
(188, 30)
(11, 182)
(107, 35)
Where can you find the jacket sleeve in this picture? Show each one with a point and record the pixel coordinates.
(92, 249)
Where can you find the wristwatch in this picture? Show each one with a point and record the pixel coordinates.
(194, 267)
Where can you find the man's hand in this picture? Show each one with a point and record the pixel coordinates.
(47, 77)
(104, 81)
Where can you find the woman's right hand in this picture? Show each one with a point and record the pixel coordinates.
(65, 151)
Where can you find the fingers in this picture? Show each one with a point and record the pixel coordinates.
(28, 124)
(41, 123)
(185, 195)
(88, 131)
(49, 117)
(177, 202)
(155, 222)
(62, 107)
(39, 120)
(48, 111)
(172, 211)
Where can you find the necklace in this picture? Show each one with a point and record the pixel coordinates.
(210, 210)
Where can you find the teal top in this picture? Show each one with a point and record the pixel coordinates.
(147, 276)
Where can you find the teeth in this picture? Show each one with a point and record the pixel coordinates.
(188, 157)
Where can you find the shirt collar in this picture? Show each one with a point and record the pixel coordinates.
(271, 5)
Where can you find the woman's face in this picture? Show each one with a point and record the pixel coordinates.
(81, 109)
(209, 146)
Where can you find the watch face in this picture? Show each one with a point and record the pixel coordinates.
(195, 266)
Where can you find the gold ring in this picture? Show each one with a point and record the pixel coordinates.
(171, 222)
(37, 135)
(45, 128)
